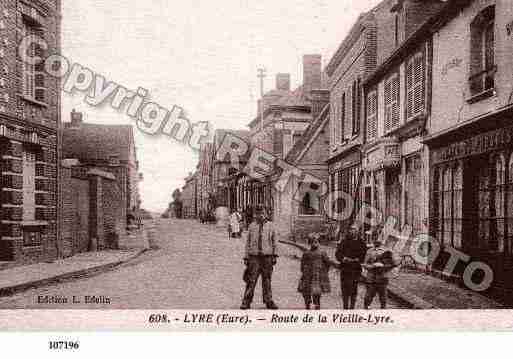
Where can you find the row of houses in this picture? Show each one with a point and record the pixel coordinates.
(64, 189)
(412, 115)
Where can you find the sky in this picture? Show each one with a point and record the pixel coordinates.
(200, 55)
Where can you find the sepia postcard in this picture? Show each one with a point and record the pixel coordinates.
(239, 165)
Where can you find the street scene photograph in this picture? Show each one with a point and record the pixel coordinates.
(309, 156)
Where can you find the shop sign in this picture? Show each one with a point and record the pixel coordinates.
(490, 141)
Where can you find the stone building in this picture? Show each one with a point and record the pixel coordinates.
(29, 143)
(470, 136)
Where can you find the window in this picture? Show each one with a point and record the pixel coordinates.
(482, 62)
(342, 121)
(33, 78)
(356, 106)
(491, 204)
(296, 137)
(372, 115)
(448, 204)
(413, 186)
(391, 103)
(310, 203)
(415, 86)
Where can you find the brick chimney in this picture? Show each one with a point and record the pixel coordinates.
(312, 68)
(76, 118)
(283, 82)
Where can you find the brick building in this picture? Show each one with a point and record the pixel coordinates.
(205, 187)
(29, 143)
(105, 157)
(93, 217)
(282, 118)
(190, 196)
(358, 141)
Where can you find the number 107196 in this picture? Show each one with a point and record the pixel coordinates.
(63, 345)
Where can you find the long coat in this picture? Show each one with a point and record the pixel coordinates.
(314, 273)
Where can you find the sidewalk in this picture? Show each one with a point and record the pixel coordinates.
(21, 278)
(418, 290)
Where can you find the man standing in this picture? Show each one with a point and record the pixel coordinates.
(260, 258)
(351, 254)
(379, 261)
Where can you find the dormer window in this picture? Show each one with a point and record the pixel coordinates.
(482, 52)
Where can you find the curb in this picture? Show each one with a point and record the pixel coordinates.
(394, 291)
(88, 272)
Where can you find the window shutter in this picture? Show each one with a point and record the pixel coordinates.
(342, 118)
(415, 84)
(391, 103)
(372, 115)
(409, 89)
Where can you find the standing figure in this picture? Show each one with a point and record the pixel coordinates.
(260, 258)
(235, 229)
(379, 261)
(315, 279)
(350, 253)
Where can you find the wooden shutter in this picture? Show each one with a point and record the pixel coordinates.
(372, 115)
(342, 118)
(415, 86)
(391, 95)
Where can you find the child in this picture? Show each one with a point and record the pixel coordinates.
(314, 275)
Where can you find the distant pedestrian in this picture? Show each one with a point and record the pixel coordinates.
(379, 261)
(260, 259)
(235, 227)
(350, 253)
(314, 279)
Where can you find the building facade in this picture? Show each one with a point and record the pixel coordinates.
(470, 135)
(29, 137)
(108, 148)
(190, 196)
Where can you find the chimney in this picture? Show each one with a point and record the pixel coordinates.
(312, 68)
(76, 118)
(320, 98)
(283, 82)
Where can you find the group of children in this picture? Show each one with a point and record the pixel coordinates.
(356, 262)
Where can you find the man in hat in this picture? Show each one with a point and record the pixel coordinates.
(260, 258)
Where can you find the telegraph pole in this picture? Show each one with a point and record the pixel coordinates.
(261, 75)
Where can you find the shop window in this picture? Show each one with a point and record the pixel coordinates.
(391, 103)
(491, 205)
(509, 196)
(482, 52)
(372, 115)
(448, 204)
(415, 86)
(413, 187)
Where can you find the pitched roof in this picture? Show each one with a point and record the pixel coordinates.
(310, 134)
(97, 142)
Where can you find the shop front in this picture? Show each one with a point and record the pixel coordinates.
(471, 207)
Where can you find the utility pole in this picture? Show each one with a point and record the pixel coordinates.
(261, 75)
